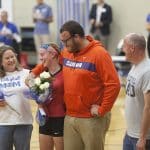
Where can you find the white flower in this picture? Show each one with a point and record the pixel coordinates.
(42, 86)
(46, 85)
(42, 83)
(37, 81)
(45, 75)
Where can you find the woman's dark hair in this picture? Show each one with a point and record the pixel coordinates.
(3, 49)
(73, 28)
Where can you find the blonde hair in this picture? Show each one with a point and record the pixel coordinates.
(53, 45)
(3, 49)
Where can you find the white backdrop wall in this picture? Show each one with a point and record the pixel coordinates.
(128, 16)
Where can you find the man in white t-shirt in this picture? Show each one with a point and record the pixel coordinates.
(137, 103)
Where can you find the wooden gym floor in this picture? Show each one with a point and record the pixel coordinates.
(116, 131)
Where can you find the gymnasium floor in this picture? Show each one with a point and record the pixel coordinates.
(116, 131)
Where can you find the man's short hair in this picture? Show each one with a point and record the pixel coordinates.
(137, 39)
(73, 28)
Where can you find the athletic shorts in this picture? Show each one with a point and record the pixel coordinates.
(54, 127)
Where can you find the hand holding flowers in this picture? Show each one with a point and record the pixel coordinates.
(40, 87)
(41, 116)
(40, 91)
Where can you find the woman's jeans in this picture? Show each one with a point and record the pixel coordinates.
(18, 136)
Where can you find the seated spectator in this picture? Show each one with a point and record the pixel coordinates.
(9, 34)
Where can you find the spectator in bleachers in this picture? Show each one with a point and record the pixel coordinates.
(100, 19)
(42, 16)
(9, 34)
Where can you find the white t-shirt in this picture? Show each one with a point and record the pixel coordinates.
(100, 9)
(99, 13)
(18, 109)
(138, 83)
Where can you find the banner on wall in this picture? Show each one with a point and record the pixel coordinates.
(77, 10)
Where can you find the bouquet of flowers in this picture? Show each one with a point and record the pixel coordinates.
(40, 87)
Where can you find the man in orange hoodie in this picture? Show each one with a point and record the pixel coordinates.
(91, 86)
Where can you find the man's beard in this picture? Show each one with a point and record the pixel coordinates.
(75, 48)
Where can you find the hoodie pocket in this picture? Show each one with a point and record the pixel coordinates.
(75, 104)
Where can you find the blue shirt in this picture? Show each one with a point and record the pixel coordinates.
(45, 11)
(10, 29)
(148, 18)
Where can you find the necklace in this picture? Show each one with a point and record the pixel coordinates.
(55, 70)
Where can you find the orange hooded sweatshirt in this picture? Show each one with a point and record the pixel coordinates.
(89, 78)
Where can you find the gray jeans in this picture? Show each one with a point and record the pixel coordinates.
(103, 38)
(15, 135)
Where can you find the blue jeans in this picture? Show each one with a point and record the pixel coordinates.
(15, 135)
(129, 143)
